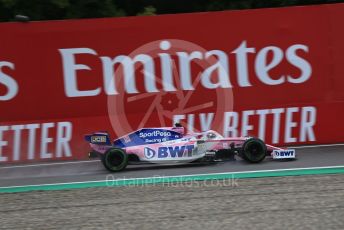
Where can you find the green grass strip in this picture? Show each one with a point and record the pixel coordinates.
(175, 179)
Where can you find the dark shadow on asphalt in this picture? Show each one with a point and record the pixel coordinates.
(156, 167)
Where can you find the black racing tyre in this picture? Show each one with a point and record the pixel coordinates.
(115, 160)
(253, 150)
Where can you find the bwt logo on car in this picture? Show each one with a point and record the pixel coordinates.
(284, 153)
(156, 133)
(169, 152)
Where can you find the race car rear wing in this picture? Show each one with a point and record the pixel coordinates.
(99, 138)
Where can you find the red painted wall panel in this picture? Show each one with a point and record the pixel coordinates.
(260, 61)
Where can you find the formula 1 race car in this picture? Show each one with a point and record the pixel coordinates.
(169, 145)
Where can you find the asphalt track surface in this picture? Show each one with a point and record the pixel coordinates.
(94, 171)
(292, 202)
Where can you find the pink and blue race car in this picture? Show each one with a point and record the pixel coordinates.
(170, 145)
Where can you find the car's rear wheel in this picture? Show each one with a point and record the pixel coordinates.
(115, 160)
(253, 150)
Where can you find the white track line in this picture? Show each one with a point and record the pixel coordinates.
(166, 177)
(48, 164)
(314, 146)
(89, 161)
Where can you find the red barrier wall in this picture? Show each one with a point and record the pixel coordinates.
(272, 73)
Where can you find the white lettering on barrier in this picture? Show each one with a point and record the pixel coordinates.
(231, 120)
(220, 68)
(19, 134)
(241, 64)
(8, 81)
(300, 63)
(69, 72)
(246, 127)
(166, 67)
(32, 139)
(16, 144)
(262, 122)
(45, 140)
(206, 119)
(231, 123)
(3, 143)
(262, 68)
(308, 119)
(289, 125)
(64, 135)
(276, 125)
(191, 122)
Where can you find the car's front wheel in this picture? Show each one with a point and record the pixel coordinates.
(253, 150)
